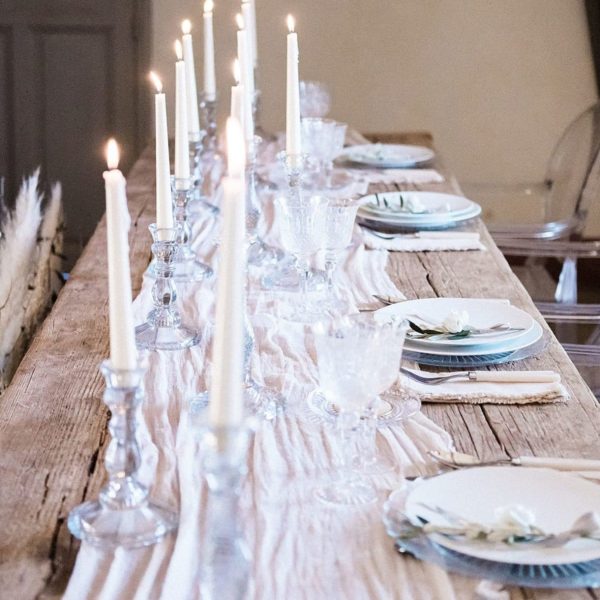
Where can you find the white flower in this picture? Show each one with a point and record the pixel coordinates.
(456, 321)
(413, 203)
(515, 518)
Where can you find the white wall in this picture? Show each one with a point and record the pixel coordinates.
(495, 81)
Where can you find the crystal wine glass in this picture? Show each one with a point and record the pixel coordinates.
(318, 137)
(302, 220)
(357, 357)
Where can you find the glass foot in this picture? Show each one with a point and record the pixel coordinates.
(354, 492)
(192, 270)
(287, 279)
(260, 254)
(263, 401)
(149, 336)
(403, 406)
(142, 525)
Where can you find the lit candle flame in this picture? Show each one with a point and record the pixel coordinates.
(236, 71)
(186, 26)
(178, 50)
(112, 154)
(236, 153)
(239, 20)
(209, 6)
(155, 79)
(291, 23)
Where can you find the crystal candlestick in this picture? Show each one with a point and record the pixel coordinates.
(225, 556)
(259, 252)
(188, 267)
(260, 130)
(202, 185)
(163, 329)
(123, 515)
(261, 400)
(208, 120)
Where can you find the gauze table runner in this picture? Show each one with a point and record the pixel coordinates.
(301, 548)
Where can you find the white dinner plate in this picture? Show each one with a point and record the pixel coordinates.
(556, 498)
(387, 155)
(435, 205)
(483, 313)
(427, 221)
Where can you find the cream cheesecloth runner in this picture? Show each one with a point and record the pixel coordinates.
(301, 548)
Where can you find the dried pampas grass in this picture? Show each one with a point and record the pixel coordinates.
(29, 251)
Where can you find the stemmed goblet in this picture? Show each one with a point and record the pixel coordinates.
(302, 222)
(357, 357)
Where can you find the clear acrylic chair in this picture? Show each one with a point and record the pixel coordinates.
(557, 208)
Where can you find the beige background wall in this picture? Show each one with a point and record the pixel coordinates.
(494, 80)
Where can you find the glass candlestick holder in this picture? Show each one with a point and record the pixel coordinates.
(258, 127)
(208, 120)
(123, 515)
(259, 253)
(163, 329)
(225, 557)
(261, 400)
(201, 183)
(188, 267)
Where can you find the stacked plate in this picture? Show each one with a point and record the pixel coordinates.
(517, 334)
(387, 156)
(416, 211)
(555, 499)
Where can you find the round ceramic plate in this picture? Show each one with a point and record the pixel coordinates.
(431, 222)
(483, 313)
(433, 205)
(556, 498)
(387, 155)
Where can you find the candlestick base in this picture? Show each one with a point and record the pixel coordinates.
(163, 329)
(123, 515)
(287, 279)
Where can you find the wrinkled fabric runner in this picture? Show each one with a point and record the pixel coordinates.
(302, 549)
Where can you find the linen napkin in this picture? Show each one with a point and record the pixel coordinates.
(423, 241)
(406, 176)
(464, 391)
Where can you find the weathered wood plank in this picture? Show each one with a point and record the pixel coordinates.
(52, 420)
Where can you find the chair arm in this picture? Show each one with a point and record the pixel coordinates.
(550, 248)
(569, 313)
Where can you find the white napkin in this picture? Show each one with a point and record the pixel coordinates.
(388, 176)
(477, 392)
(424, 241)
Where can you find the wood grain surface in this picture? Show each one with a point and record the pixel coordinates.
(53, 422)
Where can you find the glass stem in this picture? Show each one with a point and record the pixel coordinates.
(347, 423)
(304, 271)
(330, 264)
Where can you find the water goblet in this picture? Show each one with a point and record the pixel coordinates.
(302, 222)
(318, 138)
(357, 357)
(339, 225)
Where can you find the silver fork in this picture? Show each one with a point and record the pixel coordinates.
(439, 379)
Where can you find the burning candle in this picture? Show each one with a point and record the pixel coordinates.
(164, 203)
(247, 80)
(210, 88)
(123, 353)
(182, 148)
(190, 82)
(249, 14)
(293, 139)
(237, 94)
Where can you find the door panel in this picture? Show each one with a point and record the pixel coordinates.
(71, 75)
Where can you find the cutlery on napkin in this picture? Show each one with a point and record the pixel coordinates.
(490, 387)
(421, 241)
(460, 460)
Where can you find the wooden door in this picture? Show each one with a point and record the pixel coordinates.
(71, 75)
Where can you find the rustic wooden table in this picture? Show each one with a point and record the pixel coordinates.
(53, 423)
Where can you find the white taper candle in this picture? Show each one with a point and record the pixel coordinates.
(164, 201)
(182, 147)
(210, 86)
(123, 353)
(226, 408)
(293, 137)
(191, 88)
